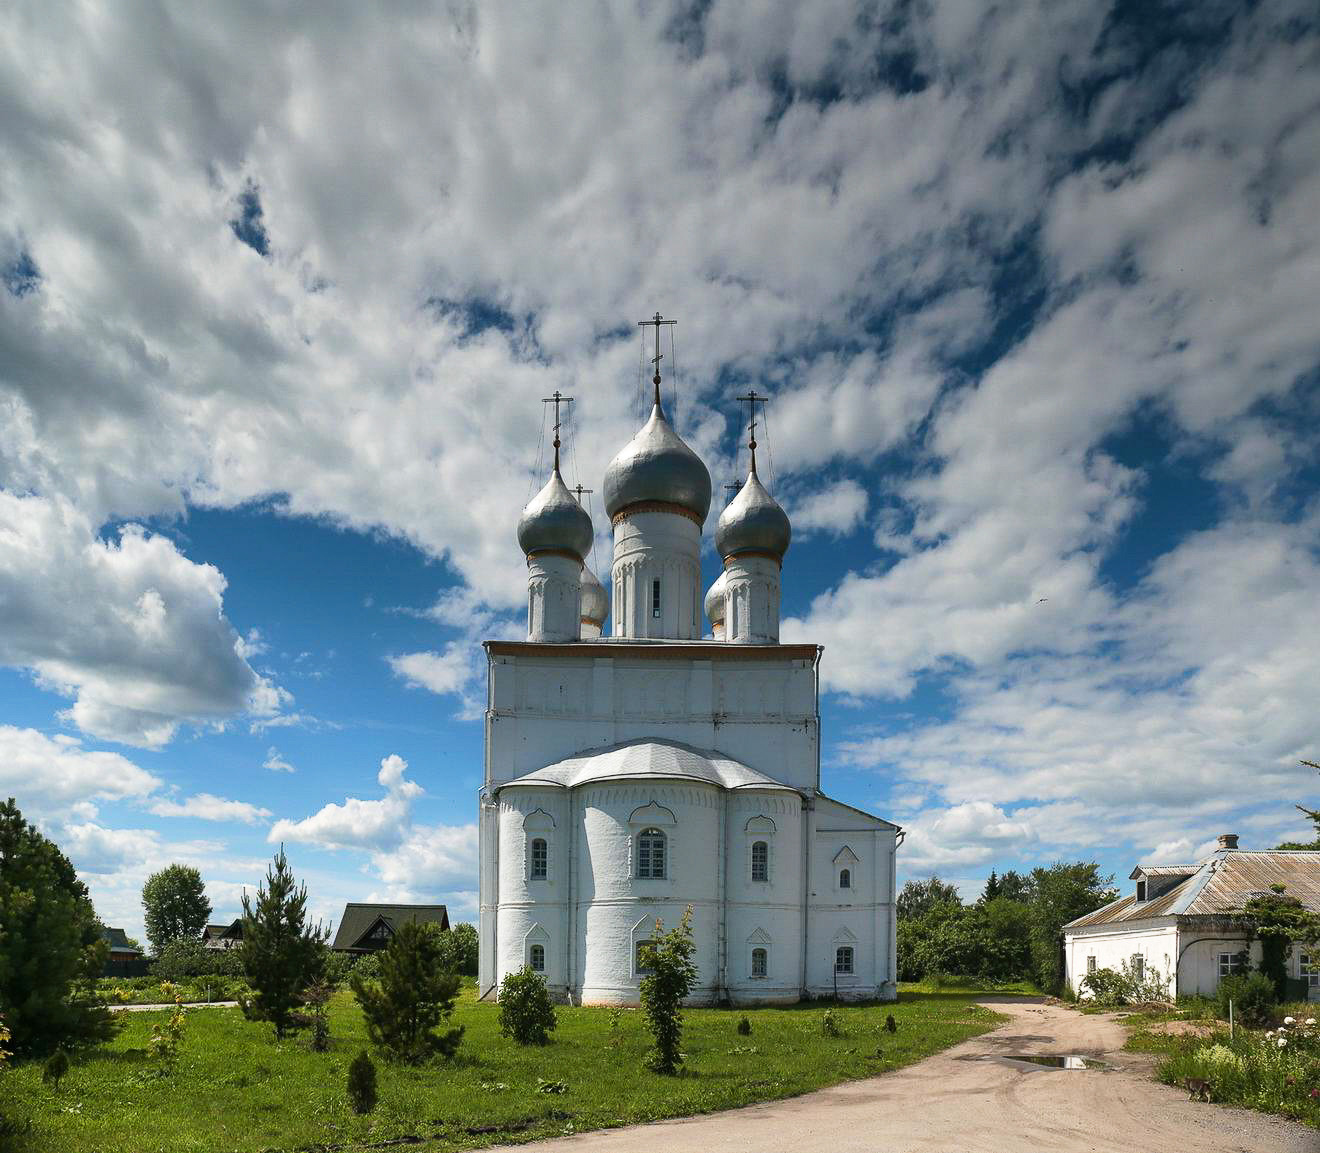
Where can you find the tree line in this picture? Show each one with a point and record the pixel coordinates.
(1012, 932)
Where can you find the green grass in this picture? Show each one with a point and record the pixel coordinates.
(236, 1088)
(943, 983)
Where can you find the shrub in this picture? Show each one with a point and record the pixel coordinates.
(891, 1026)
(414, 995)
(744, 1026)
(339, 967)
(52, 1072)
(166, 1038)
(526, 1013)
(671, 977)
(317, 997)
(1253, 998)
(362, 1083)
(829, 1024)
(187, 957)
(1127, 986)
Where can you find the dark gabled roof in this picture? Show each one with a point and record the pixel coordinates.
(117, 939)
(359, 919)
(215, 932)
(1220, 886)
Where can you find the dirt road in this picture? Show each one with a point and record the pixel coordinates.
(971, 1099)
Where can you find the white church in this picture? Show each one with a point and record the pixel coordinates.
(629, 776)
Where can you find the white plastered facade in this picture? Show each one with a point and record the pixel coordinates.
(715, 747)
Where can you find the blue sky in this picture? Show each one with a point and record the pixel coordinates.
(1032, 288)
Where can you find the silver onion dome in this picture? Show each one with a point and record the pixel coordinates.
(657, 466)
(553, 521)
(753, 522)
(595, 601)
(715, 601)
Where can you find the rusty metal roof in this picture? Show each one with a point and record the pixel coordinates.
(1220, 886)
(1162, 871)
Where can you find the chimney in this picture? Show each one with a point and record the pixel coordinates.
(1228, 840)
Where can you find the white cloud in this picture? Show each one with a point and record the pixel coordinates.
(49, 776)
(837, 509)
(131, 629)
(432, 862)
(208, 807)
(379, 824)
(275, 762)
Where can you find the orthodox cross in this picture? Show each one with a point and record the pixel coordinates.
(752, 399)
(657, 320)
(580, 490)
(557, 400)
(734, 487)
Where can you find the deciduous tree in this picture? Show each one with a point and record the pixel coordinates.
(175, 905)
(671, 977)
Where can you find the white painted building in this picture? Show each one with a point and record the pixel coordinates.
(632, 775)
(1179, 920)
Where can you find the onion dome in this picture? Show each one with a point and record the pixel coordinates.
(656, 466)
(553, 521)
(595, 601)
(715, 601)
(753, 522)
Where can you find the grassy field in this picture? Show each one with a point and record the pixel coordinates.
(236, 1088)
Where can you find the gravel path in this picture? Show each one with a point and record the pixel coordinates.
(969, 1098)
(186, 1005)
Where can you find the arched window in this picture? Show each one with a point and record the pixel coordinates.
(540, 859)
(760, 861)
(651, 853)
(536, 958)
(843, 959)
(845, 878)
(642, 968)
(759, 962)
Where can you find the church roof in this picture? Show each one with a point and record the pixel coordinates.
(650, 759)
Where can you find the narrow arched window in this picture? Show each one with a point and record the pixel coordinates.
(540, 859)
(651, 853)
(759, 962)
(655, 599)
(843, 959)
(845, 878)
(760, 861)
(536, 958)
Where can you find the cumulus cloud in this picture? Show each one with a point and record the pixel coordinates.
(276, 762)
(837, 510)
(131, 629)
(53, 775)
(378, 824)
(208, 807)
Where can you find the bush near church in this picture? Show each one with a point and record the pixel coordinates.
(526, 1013)
(414, 994)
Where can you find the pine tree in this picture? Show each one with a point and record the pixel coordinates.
(672, 975)
(413, 995)
(51, 951)
(282, 953)
(992, 887)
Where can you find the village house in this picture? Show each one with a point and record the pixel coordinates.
(223, 936)
(368, 928)
(126, 958)
(1183, 922)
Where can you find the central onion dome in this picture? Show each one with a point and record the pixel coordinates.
(657, 467)
(595, 601)
(555, 522)
(715, 602)
(753, 522)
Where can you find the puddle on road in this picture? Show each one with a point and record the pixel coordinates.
(1043, 1060)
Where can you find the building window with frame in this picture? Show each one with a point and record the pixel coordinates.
(642, 969)
(760, 861)
(540, 855)
(655, 599)
(1308, 966)
(651, 854)
(1090, 964)
(1138, 963)
(1230, 964)
(536, 958)
(1141, 891)
(843, 961)
(845, 878)
(760, 962)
